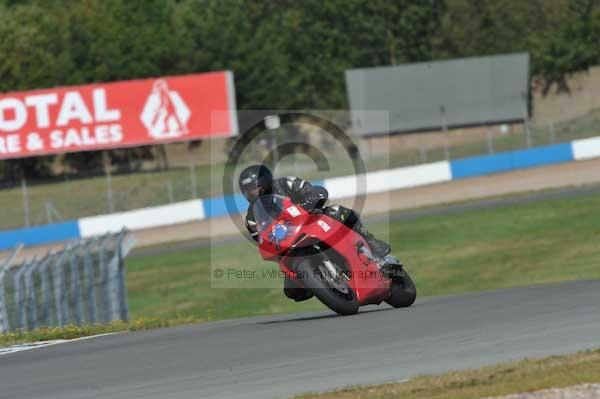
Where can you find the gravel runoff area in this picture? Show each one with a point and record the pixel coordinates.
(583, 391)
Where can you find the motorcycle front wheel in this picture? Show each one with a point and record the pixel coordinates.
(403, 292)
(328, 282)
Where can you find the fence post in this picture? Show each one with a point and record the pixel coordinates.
(552, 133)
(170, 191)
(4, 322)
(109, 193)
(46, 293)
(423, 153)
(31, 297)
(20, 300)
(3, 311)
(112, 286)
(59, 289)
(76, 292)
(193, 182)
(126, 243)
(89, 276)
(526, 120)
(105, 278)
(445, 131)
(26, 210)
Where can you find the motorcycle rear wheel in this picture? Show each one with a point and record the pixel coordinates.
(403, 292)
(343, 303)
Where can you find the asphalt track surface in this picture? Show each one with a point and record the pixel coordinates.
(275, 357)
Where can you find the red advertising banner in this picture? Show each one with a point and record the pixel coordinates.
(115, 115)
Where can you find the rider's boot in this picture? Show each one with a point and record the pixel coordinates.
(295, 292)
(391, 267)
(379, 248)
(388, 264)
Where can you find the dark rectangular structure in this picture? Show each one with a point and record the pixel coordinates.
(438, 95)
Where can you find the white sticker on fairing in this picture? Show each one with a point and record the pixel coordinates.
(292, 210)
(324, 226)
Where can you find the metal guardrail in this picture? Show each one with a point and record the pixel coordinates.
(84, 283)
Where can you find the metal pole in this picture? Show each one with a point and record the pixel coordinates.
(46, 292)
(423, 153)
(445, 131)
(19, 297)
(76, 292)
(105, 279)
(490, 142)
(31, 297)
(126, 244)
(112, 288)
(3, 311)
(526, 121)
(4, 322)
(170, 192)
(26, 210)
(193, 183)
(48, 214)
(60, 296)
(89, 276)
(107, 172)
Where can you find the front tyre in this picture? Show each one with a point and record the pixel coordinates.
(332, 290)
(403, 292)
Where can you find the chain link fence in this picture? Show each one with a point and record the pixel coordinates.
(84, 283)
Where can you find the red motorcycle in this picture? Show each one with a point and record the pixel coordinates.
(328, 258)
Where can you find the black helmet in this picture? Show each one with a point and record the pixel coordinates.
(255, 181)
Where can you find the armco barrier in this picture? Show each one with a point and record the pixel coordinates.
(507, 161)
(339, 187)
(390, 179)
(39, 234)
(181, 212)
(586, 148)
(215, 207)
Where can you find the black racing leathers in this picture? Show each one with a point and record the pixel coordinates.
(299, 191)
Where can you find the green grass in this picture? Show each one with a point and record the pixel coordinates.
(504, 379)
(72, 331)
(535, 243)
(73, 199)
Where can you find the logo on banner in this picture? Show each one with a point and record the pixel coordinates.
(165, 114)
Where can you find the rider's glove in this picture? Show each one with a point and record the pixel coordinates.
(315, 199)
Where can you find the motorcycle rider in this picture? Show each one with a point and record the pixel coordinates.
(257, 180)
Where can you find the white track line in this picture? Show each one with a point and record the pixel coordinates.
(42, 344)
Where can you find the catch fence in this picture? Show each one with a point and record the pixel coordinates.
(84, 283)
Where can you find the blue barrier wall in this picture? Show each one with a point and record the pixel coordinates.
(507, 161)
(215, 207)
(39, 235)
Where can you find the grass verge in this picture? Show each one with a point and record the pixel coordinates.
(504, 379)
(72, 332)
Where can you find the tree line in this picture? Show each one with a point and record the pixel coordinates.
(285, 54)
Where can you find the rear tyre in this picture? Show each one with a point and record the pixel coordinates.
(336, 295)
(403, 292)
